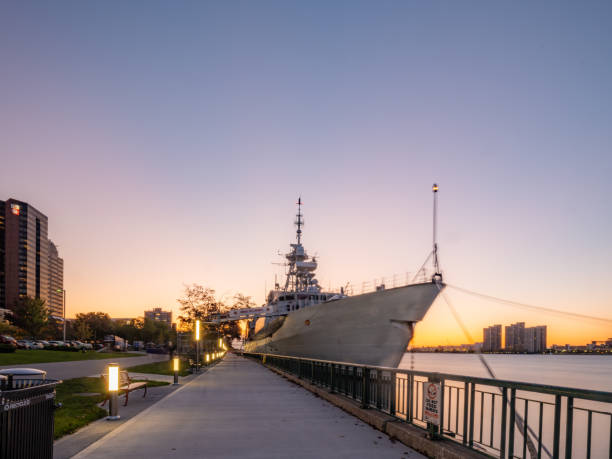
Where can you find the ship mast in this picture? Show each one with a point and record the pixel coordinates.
(299, 222)
(437, 274)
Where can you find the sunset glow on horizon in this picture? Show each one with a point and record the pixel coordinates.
(168, 147)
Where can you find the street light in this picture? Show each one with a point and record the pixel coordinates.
(197, 331)
(113, 389)
(63, 292)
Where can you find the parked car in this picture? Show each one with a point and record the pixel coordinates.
(43, 343)
(88, 346)
(57, 343)
(6, 339)
(25, 344)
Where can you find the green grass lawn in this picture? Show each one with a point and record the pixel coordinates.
(161, 368)
(77, 410)
(42, 356)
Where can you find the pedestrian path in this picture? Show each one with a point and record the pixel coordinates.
(239, 409)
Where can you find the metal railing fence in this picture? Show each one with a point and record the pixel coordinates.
(505, 419)
(26, 418)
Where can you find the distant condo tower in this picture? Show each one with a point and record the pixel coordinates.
(492, 341)
(158, 315)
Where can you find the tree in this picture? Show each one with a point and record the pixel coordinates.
(53, 329)
(82, 330)
(243, 301)
(7, 329)
(197, 303)
(99, 323)
(31, 315)
(233, 328)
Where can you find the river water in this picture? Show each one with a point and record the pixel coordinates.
(592, 372)
(580, 371)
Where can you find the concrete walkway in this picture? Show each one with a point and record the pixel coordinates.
(82, 368)
(239, 409)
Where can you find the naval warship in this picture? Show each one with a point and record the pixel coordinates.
(301, 319)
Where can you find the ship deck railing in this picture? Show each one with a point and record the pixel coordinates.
(498, 418)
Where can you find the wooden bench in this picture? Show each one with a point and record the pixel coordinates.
(125, 385)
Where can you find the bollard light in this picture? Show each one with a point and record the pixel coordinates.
(197, 337)
(113, 389)
(113, 377)
(220, 342)
(176, 370)
(207, 358)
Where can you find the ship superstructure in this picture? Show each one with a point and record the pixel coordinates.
(301, 288)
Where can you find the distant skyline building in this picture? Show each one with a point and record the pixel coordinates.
(55, 302)
(535, 339)
(492, 339)
(158, 315)
(515, 337)
(26, 253)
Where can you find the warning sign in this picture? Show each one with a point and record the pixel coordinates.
(431, 403)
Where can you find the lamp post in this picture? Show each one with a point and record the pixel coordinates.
(197, 331)
(176, 370)
(63, 292)
(113, 389)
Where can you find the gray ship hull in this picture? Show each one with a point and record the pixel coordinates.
(370, 329)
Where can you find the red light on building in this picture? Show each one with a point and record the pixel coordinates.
(15, 209)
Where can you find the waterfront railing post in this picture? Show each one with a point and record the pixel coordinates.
(392, 393)
(365, 377)
(502, 445)
(557, 426)
(440, 428)
(410, 395)
(512, 422)
(569, 427)
(354, 388)
(465, 412)
(331, 378)
(525, 425)
(472, 401)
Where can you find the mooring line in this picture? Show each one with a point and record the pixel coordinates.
(531, 306)
(518, 418)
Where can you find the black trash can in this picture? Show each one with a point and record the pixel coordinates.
(26, 417)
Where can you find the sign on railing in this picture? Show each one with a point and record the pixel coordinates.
(431, 403)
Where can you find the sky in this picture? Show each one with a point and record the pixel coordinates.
(167, 142)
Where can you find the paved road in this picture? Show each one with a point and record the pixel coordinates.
(239, 409)
(80, 368)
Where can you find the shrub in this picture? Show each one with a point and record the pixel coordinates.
(6, 348)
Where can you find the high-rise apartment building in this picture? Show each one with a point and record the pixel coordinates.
(515, 337)
(492, 341)
(535, 339)
(159, 315)
(56, 282)
(26, 252)
(2, 253)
